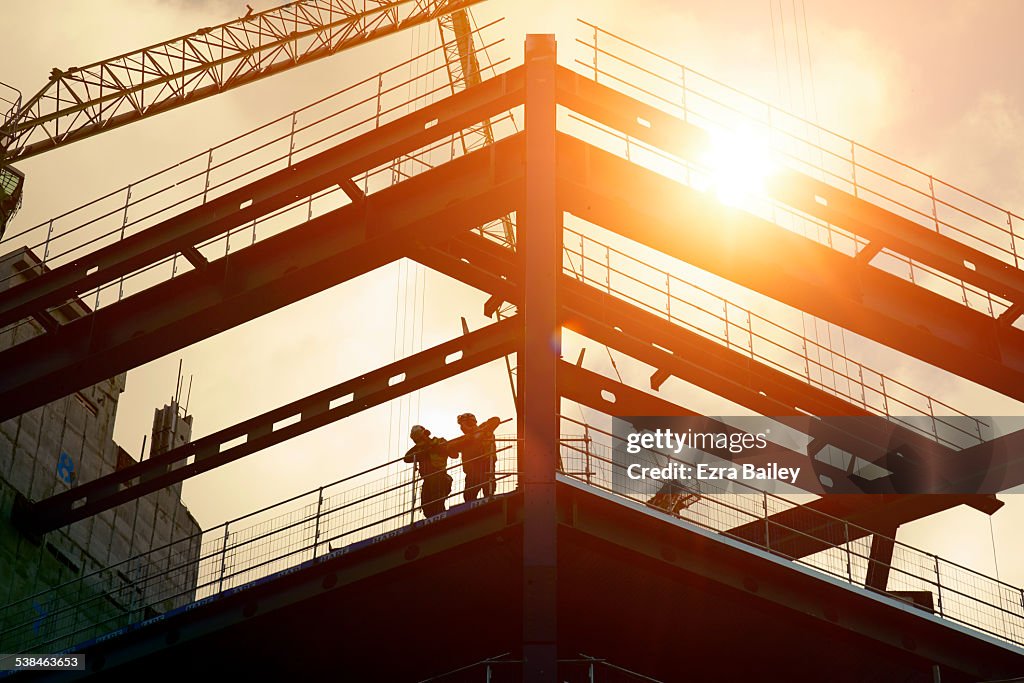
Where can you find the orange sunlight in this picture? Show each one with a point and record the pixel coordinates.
(738, 163)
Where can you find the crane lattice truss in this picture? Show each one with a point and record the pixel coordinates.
(541, 174)
(79, 102)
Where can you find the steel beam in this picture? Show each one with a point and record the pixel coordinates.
(181, 233)
(314, 411)
(269, 275)
(540, 259)
(880, 227)
(613, 193)
(883, 544)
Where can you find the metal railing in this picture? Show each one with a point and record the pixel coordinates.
(271, 147)
(507, 668)
(299, 530)
(822, 154)
(959, 594)
(738, 328)
(382, 500)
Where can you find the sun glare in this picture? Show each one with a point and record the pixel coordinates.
(738, 163)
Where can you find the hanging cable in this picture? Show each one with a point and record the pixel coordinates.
(992, 535)
(785, 48)
(775, 51)
(799, 60)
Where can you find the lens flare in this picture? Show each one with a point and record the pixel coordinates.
(738, 163)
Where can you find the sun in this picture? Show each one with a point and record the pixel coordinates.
(738, 163)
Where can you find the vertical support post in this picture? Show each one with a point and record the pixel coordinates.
(540, 257)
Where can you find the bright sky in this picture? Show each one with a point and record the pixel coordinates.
(933, 82)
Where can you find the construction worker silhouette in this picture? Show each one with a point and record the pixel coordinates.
(479, 455)
(430, 456)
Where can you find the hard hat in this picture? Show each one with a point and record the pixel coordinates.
(417, 431)
(466, 417)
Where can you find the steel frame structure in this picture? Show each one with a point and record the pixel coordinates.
(542, 174)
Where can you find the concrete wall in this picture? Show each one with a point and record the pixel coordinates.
(56, 447)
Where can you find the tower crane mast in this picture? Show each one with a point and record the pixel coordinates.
(79, 102)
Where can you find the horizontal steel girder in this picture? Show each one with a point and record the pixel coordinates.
(269, 275)
(316, 410)
(612, 192)
(262, 197)
(880, 227)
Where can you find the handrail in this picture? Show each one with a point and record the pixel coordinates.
(955, 212)
(964, 595)
(698, 305)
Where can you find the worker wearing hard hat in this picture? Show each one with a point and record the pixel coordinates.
(479, 455)
(430, 455)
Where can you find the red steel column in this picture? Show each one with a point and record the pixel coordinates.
(540, 255)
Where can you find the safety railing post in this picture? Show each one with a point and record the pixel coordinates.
(682, 83)
(853, 166)
(849, 556)
(316, 533)
(938, 584)
(49, 234)
(767, 529)
(668, 297)
(595, 55)
(750, 333)
(412, 495)
(608, 268)
(291, 137)
(583, 260)
(863, 392)
(725, 315)
(209, 167)
(380, 88)
(885, 397)
(124, 226)
(1013, 239)
(223, 559)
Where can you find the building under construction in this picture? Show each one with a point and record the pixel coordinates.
(577, 196)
